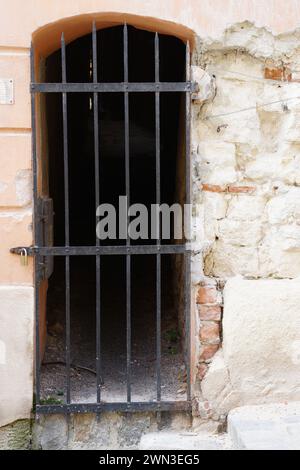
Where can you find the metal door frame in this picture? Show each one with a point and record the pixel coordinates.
(40, 252)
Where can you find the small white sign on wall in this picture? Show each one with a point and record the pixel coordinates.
(6, 91)
(2, 353)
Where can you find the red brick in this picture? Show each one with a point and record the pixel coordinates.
(210, 312)
(241, 189)
(278, 73)
(214, 188)
(207, 295)
(210, 332)
(208, 351)
(202, 369)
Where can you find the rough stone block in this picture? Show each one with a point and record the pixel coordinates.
(279, 254)
(246, 208)
(284, 208)
(206, 85)
(50, 433)
(217, 164)
(264, 168)
(215, 205)
(265, 427)
(261, 338)
(113, 431)
(177, 441)
(240, 232)
(245, 127)
(227, 260)
(293, 131)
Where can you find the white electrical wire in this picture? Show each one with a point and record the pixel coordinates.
(250, 108)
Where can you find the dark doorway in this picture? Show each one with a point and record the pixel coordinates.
(82, 212)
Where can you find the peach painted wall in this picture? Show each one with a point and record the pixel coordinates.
(207, 17)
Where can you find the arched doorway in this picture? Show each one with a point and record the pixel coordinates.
(116, 122)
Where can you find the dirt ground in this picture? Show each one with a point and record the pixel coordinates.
(113, 334)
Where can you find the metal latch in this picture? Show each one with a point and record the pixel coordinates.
(19, 250)
(23, 252)
(44, 214)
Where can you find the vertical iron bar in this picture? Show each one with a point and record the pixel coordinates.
(67, 229)
(158, 256)
(187, 256)
(127, 187)
(36, 231)
(97, 202)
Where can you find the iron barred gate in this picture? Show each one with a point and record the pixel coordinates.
(43, 252)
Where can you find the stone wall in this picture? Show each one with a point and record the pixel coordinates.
(260, 358)
(246, 163)
(246, 155)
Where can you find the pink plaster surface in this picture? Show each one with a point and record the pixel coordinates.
(20, 19)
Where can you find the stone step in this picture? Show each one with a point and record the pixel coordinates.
(170, 440)
(265, 427)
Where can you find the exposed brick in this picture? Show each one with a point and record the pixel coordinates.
(278, 73)
(207, 295)
(208, 351)
(241, 189)
(214, 188)
(210, 312)
(202, 369)
(210, 332)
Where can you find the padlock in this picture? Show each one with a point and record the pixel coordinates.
(24, 257)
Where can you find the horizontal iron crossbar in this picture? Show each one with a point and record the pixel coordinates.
(113, 87)
(101, 250)
(115, 406)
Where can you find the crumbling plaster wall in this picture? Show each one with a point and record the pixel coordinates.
(246, 186)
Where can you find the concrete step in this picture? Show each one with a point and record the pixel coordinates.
(170, 440)
(265, 427)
